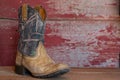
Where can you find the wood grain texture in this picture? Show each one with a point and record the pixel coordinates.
(80, 33)
(8, 42)
(7, 73)
(70, 9)
(77, 43)
(84, 43)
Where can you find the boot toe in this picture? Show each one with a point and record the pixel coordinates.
(54, 71)
(63, 66)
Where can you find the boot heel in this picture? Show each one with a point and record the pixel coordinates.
(21, 70)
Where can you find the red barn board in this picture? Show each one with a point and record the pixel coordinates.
(81, 33)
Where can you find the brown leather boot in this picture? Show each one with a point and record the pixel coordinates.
(31, 55)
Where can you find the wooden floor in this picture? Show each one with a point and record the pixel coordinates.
(7, 73)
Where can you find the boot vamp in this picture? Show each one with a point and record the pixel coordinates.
(50, 69)
(41, 63)
(38, 62)
(39, 68)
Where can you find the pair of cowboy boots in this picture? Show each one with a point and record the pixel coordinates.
(31, 55)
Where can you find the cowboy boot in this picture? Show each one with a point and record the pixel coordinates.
(31, 54)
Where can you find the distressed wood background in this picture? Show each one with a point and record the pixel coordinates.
(80, 33)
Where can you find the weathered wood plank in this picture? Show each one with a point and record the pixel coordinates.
(70, 9)
(7, 73)
(77, 43)
(84, 43)
(8, 42)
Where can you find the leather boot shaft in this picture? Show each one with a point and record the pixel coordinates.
(31, 31)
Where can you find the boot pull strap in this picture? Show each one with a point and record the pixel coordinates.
(41, 12)
(24, 12)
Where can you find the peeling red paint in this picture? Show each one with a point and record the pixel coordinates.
(70, 41)
(74, 39)
(89, 43)
(109, 28)
(83, 38)
(108, 50)
(61, 9)
(48, 30)
(105, 38)
(95, 62)
(61, 15)
(8, 48)
(113, 4)
(54, 40)
(83, 16)
(102, 31)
